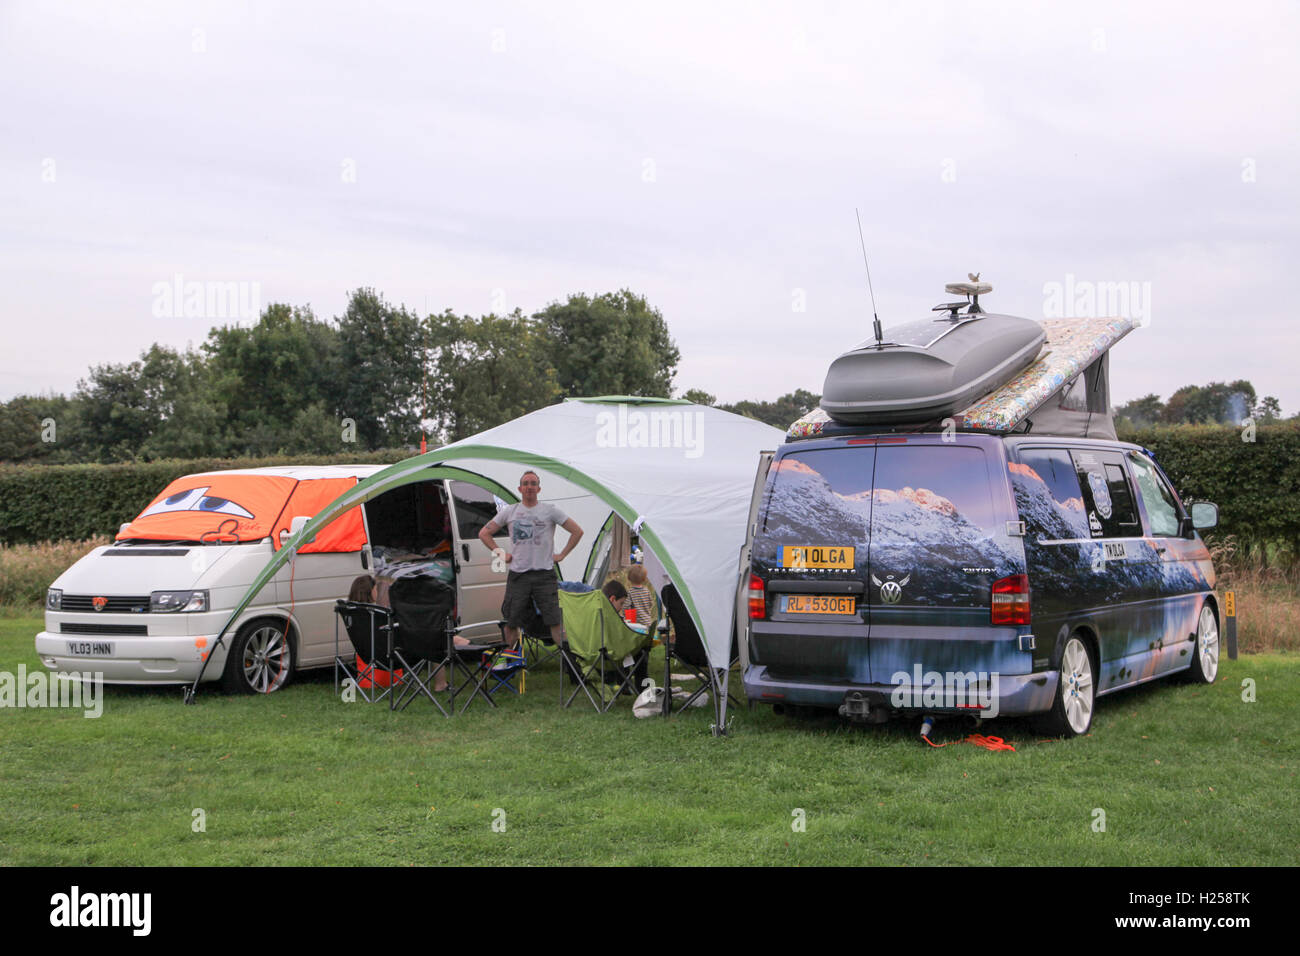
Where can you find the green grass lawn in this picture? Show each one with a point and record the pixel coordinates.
(1185, 775)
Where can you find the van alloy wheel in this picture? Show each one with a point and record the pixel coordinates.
(260, 659)
(1205, 659)
(1077, 692)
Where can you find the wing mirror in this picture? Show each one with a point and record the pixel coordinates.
(296, 525)
(1205, 515)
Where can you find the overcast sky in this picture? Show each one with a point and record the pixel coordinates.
(707, 155)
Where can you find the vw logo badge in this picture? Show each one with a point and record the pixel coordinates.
(99, 603)
(890, 592)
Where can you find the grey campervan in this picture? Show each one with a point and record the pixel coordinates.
(1010, 559)
(932, 573)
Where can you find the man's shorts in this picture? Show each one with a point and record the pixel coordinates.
(524, 589)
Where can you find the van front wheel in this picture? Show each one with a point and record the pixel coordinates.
(1076, 693)
(260, 659)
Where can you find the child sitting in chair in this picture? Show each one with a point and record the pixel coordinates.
(639, 596)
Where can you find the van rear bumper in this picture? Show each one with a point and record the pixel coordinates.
(1017, 694)
(134, 660)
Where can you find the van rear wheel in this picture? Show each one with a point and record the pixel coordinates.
(1076, 694)
(260, 659)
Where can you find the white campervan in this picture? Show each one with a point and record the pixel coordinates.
(147, 609)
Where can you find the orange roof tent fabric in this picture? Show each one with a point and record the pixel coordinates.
(346, 533)
(196, 505)
(259, 505)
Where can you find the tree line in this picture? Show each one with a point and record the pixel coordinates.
(370, 378)
(1218, 403)
(379, 376)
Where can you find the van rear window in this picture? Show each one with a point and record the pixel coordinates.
(926, 482)
(819, 496)
(827, 496)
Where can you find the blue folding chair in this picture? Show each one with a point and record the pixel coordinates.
(508, 665)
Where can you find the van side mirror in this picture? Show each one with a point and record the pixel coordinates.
(1205, 515)
(297, 524)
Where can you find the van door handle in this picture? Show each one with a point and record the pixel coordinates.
(464, 550)
(1161, 549)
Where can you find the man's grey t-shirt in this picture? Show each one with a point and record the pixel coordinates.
(532, 534)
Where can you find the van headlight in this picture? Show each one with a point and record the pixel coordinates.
(168, 601)
(54, 599)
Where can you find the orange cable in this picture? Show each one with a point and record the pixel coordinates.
(978, 740)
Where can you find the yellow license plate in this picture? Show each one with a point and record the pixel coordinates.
(816, 556)
(820, 604)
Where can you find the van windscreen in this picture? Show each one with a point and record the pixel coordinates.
(198, 505)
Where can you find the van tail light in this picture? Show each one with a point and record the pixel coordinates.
(1011, 600)
(757, 598)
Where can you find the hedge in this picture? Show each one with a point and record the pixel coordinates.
(1255, 484)
(76, 502)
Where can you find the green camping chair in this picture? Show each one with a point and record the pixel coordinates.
(599, 643)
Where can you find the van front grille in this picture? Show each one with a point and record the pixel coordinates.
(139, 630)
(116, 605)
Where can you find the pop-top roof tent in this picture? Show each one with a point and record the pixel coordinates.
(974, 371)
(680, 474)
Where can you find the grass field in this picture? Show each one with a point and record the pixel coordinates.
(1185, 775)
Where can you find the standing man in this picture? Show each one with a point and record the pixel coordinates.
(531, 578)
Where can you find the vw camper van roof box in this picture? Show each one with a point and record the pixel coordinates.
(931, 368)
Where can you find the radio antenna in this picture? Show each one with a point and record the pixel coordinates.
(875, 319)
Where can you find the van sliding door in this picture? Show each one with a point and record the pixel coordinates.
(479, 588)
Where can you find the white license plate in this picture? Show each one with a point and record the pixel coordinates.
(90, 648)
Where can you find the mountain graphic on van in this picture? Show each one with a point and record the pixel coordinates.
(913, 528)
(1058, 536)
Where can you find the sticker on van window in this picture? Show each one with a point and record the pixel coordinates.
(817, 556)
(197, 499)
(1093, 524)
(1100, 493)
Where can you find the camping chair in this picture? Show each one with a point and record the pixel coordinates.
(510, 663)
(424, 644)
(421, 608)
(599, 644)
(689, 650)
(477, 661)
(536, 639)
(370, 665)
